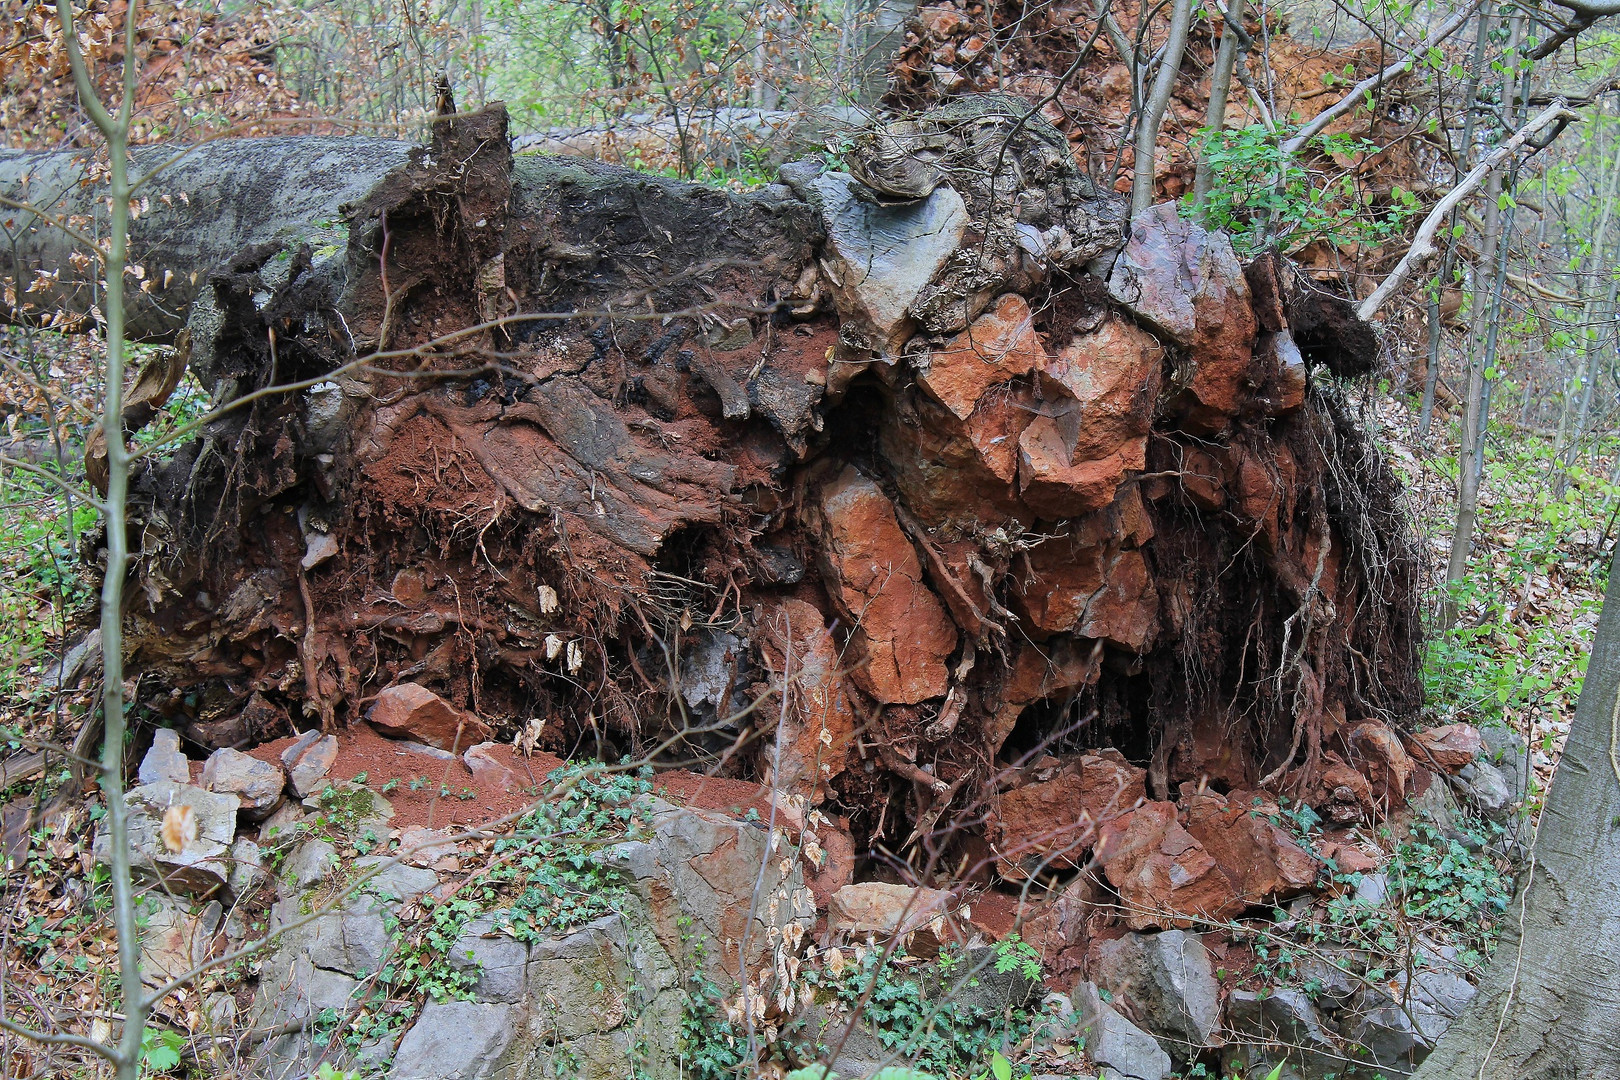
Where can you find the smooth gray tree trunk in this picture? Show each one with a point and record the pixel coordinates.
(1550, 1005)
(195, 210)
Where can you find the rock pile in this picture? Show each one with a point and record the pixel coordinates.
(707, 902)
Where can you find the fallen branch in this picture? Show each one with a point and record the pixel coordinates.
(1423, 244)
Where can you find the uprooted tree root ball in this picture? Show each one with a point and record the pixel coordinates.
(942, 499)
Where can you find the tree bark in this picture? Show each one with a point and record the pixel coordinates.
(1472, 431)
(199, 206)
(1158, 101)
(1550, 1004)
(1220, 86)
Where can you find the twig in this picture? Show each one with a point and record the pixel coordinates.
(1423, 244)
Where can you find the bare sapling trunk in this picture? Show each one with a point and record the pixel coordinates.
(1158, 101)
(1468, 472)
(1220, 87)
(114, 127)
(1591, 339)
(1448, 261)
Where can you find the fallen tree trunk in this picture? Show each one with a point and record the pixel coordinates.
(948, 468)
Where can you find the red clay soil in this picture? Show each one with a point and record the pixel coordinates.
(473, 801)
(362, 750)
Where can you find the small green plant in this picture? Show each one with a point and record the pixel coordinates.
(924, 1010)
(160, 1050)
(1262, 195)
(711, 1047)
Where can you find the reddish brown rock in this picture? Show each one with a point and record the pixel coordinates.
(1349, 859)
(1339, 793)
(488, 763)
(1049, 669)
(1113, 374)
(1095, 592)
(1262, 862)
(1062, 928)
(1051, 819)
(1257, 493)
(942, 22)
(836, 865)
(1186, 283)
(1383, 760)
(1446, 748)
(1203, 479)
(900, 626)
(1055, 485)
(410, 711)
(948, 469)
(881, 911)
(1163, 875)
(819, 719)
(1286, 376)
(1095, 412)
(1000, 346)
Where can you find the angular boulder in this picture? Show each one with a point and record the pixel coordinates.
(258, 784)
(906, 635)
(175, 937)
(1186, 284)
(1051, 819)
(1266, 1025)
(819, 719)
(1163, 875)
(1120, 1049)
(412, 711)
(998, 347)
(1166, 983)
(165, 761)
(308, 760)
(881, 257)
(1094, 591)
(873, 909)
(1262, 862)
(178, 835)
(1447, 748)
(456, 1040)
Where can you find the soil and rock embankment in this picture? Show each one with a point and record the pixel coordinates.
(1042, 556)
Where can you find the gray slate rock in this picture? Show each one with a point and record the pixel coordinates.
(396, 883)
(202, 866)
(1372, 889)
(1504, 750)
(247, 867)
(1117, 1046)
(457, 1040)
(1483, 787)
(1282, 1023)
(1398, 1034)
(352, 939)
(308, 760)
(882, 256)
(165, 760)
(258, 784)
(1168, 268)
(307, 865)
(1169, 985)
(500, 961)
(1329, 978)
(175, 938)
